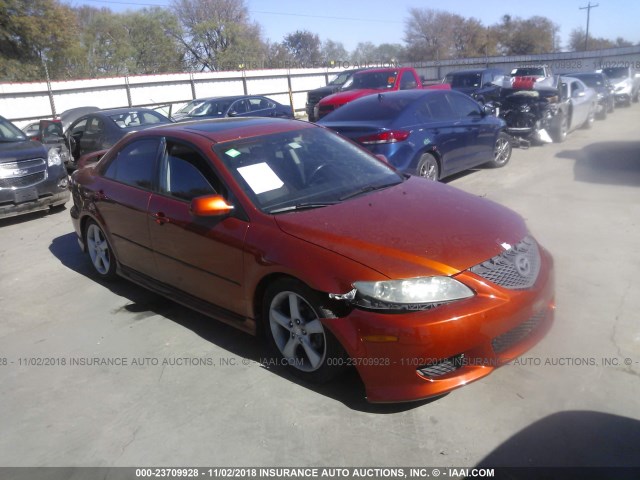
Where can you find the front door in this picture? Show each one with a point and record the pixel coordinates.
(202, 256)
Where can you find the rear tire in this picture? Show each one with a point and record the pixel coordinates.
(103, 260)
(589, 121)
(428, 167)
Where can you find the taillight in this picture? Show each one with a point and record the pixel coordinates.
(388, 136)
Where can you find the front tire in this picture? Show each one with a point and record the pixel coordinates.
(293, 316)
(501, 151)
(428, 167)
(559, 133)
(103, 260)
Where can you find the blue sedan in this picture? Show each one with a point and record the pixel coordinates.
(237, 106)
(430, 133)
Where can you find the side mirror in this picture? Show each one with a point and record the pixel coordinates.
(92, 158)
(578, 94)
(232, 113)
(210, 206)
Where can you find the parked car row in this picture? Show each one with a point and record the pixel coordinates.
(539, 106)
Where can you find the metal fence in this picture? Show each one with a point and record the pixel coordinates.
(23, 102)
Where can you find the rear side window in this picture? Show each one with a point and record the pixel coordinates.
(135, 164)
(434, 108)
(408, 81)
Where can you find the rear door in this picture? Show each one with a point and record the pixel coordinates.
(443, 130)
(262, 107)
(479, 134)
(122, 200)
(201, 256)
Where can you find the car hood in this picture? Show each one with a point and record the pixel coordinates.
(21, 150)
(414, 229)
(347, 96)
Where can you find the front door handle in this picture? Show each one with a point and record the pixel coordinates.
(160, 218)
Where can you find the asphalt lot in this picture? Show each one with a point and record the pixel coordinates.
(571, 401)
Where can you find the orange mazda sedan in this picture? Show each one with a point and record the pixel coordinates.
(285, 229)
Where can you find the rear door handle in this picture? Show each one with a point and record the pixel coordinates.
(160, 218)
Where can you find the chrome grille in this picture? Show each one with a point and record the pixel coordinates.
(21, 182)
(442, 367)
(516, 268)
(507, 340)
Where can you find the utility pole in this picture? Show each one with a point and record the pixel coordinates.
(588, 9)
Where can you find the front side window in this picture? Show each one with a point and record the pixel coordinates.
(463, 107)
(185, 175)
(135, 164)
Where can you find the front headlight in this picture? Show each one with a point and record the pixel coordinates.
(623, 86)
(53, 158)
(410, 294)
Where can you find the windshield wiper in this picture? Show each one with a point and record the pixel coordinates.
(367, 189)
(302, 206)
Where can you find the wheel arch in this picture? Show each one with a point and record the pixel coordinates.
(430, 149)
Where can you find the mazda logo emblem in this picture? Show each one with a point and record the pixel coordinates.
(523, 266)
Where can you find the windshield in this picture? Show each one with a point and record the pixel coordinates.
(308, 167)
(340, 79)
(616, 72)
(528, 72)
(383, 106)
(9, 132)
(467, 80)
(375, 80)
(591, 80)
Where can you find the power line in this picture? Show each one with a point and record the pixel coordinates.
(326, 17)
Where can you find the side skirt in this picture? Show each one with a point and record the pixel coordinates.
(247, 325)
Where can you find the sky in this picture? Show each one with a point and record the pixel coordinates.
(382, 21)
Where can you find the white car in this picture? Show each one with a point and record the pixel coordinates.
(626, 84)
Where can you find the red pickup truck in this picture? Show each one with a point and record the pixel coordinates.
(372, 81)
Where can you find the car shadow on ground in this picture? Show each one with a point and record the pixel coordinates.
(583, 439)
(615, 163)
(347, 389)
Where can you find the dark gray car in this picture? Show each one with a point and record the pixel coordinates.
(32, 177)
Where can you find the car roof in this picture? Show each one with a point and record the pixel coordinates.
(220, 130)
(117, 111)
(230, 97)
(474, 70)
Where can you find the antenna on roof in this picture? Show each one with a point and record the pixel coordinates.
(380, 97)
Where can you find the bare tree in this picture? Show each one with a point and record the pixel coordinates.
(217, 34)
